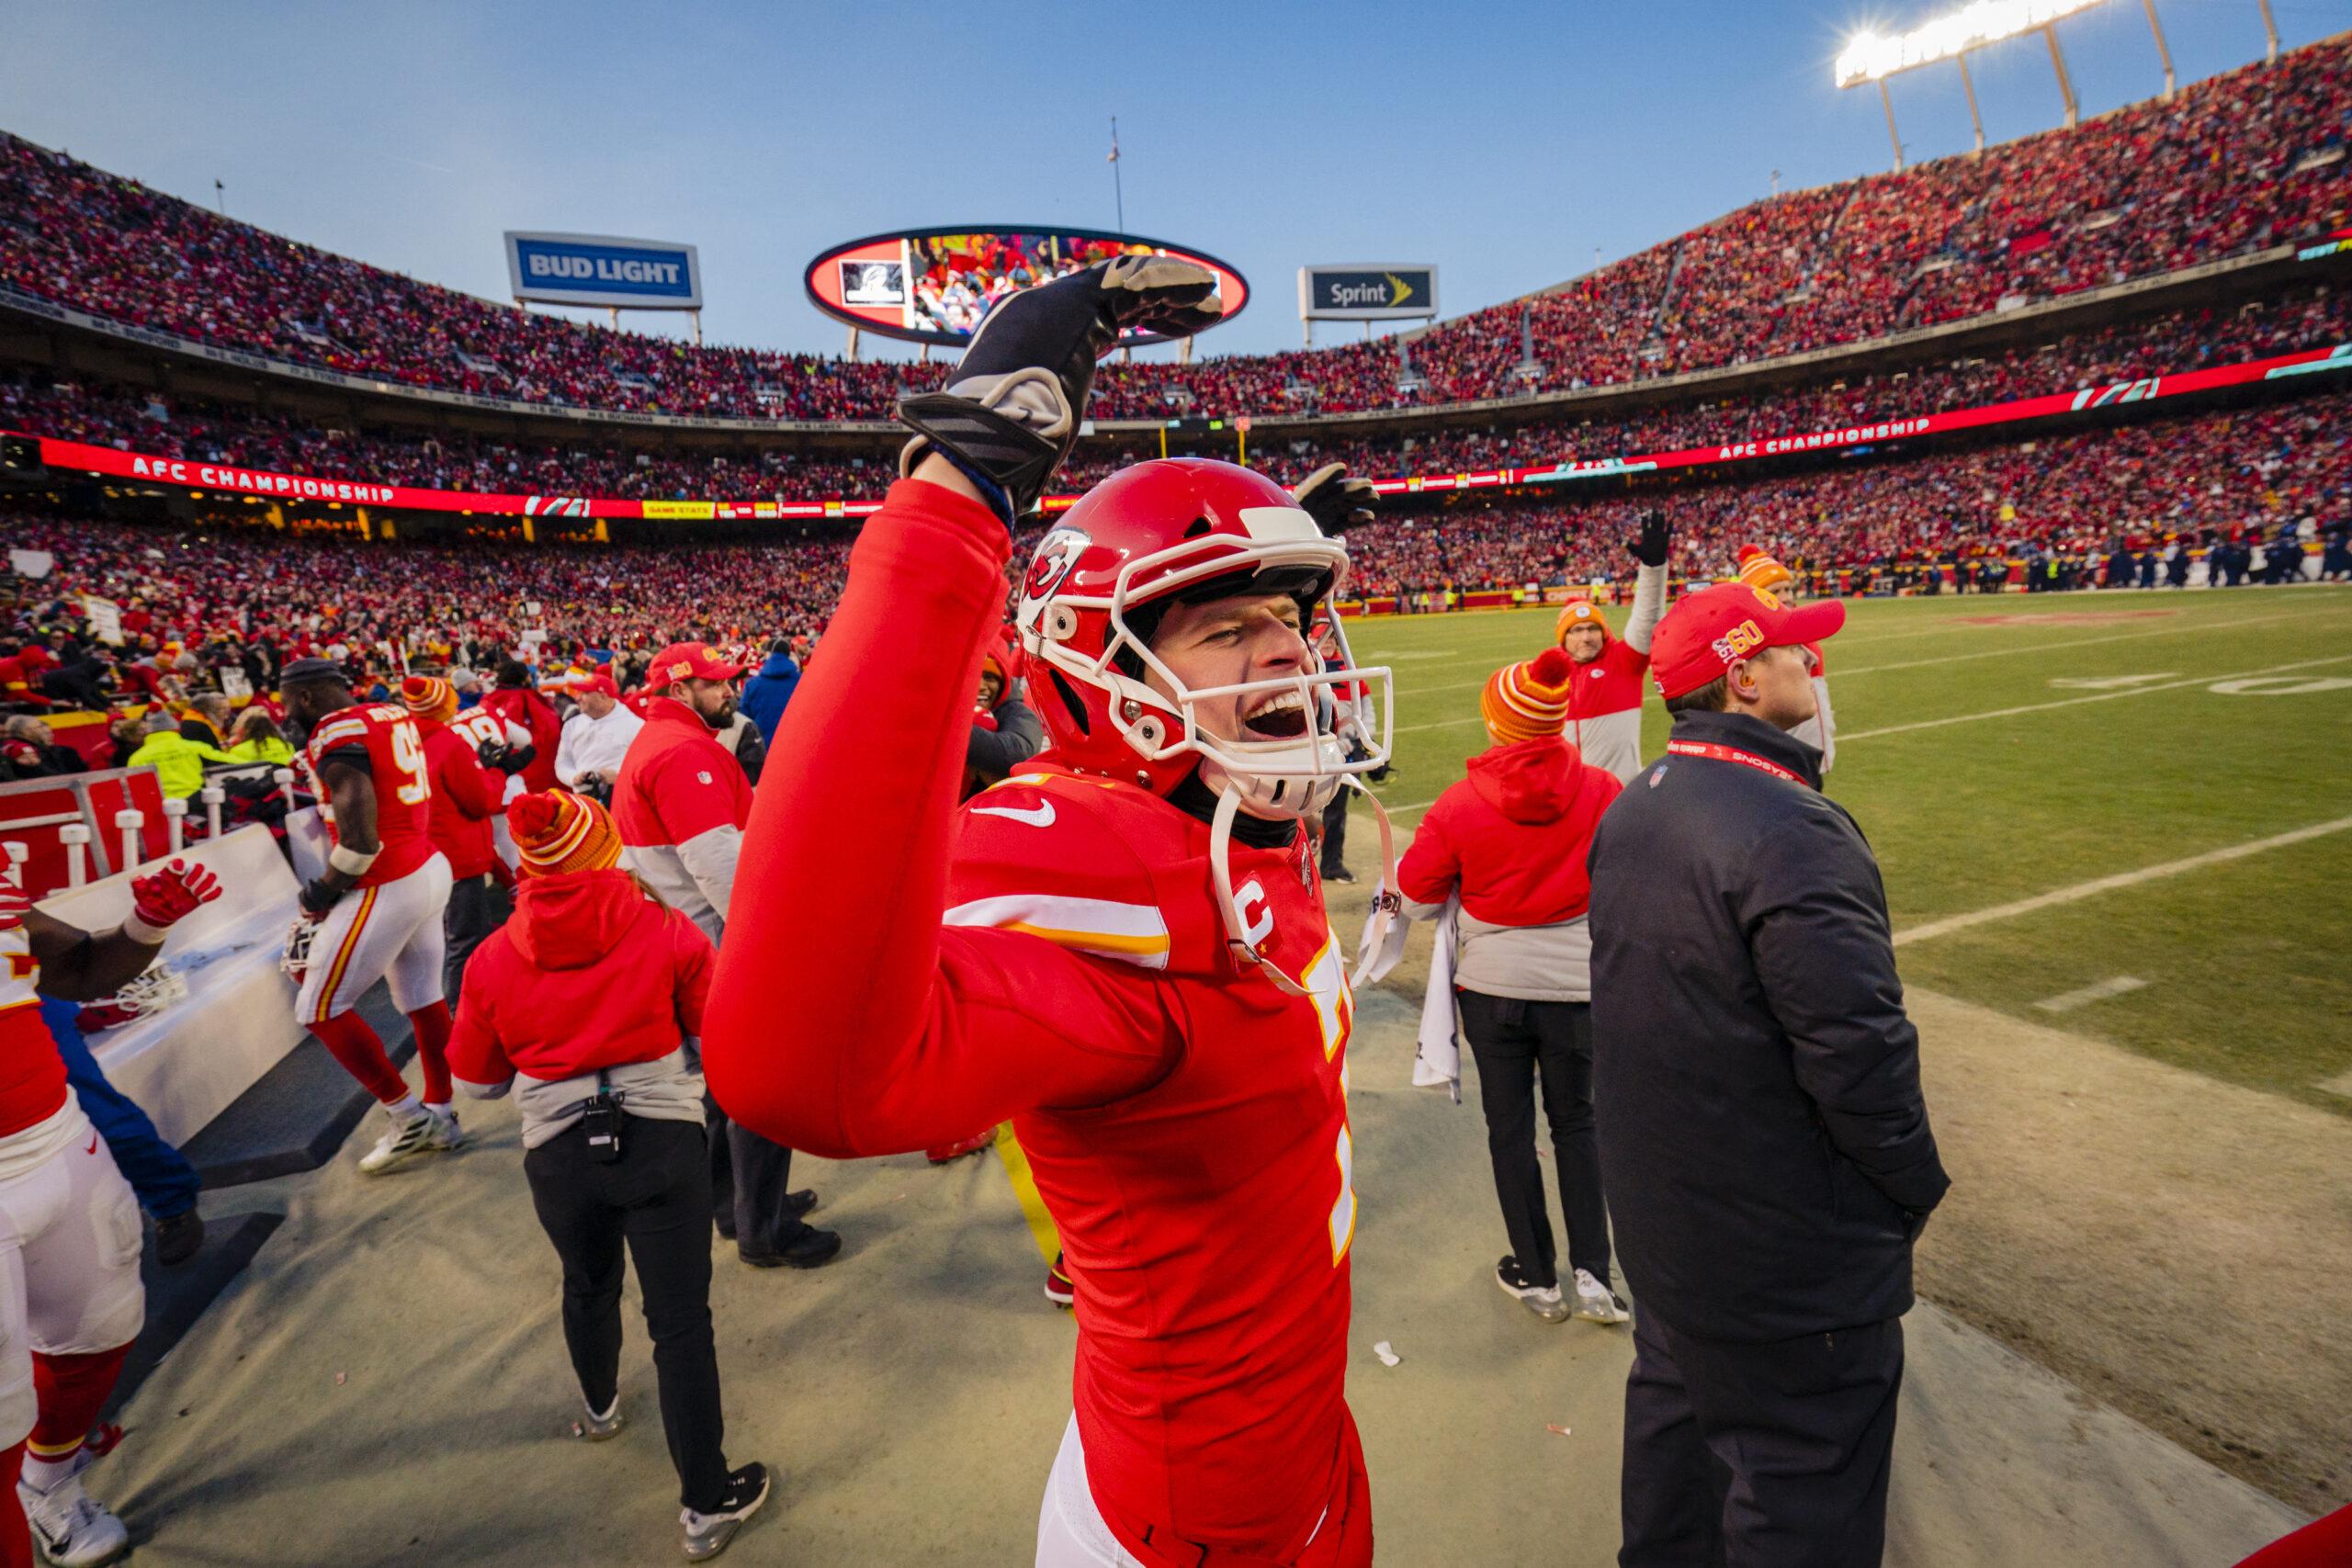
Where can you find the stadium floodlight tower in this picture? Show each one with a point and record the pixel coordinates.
(1873, 57)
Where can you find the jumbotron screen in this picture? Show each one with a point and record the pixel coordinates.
(937, 285)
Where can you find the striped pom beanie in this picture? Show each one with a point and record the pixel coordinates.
(1528, 700)
(429, 696)
(557, 832)
(1760, 570)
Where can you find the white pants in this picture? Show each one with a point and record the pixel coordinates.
(1071, 1532)
(388, 932)
(69, 1255)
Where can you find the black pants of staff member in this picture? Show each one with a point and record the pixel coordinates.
(1759, 1456)
(1517, 1042)
(1335, 835)
(656, 1198)
(748, 1179)
(478, 906)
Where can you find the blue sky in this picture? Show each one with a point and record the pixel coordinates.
(1503, 141)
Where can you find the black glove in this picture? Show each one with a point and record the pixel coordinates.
(1650, 547)
(499, 757)
(1336, 500)
(318, 898)
(1011, 410)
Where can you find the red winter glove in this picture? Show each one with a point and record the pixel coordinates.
(162, 899)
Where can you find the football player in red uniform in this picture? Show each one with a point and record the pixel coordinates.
(1123, 948)
(376, 912)
(70, 1298)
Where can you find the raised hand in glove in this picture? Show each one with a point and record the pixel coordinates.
(1336, 500)
(161, 900)
(1649, 546)
(1010, 412)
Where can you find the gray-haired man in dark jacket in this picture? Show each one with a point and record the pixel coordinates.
(1763, 1138)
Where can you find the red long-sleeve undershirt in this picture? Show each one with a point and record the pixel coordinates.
(843, 1019)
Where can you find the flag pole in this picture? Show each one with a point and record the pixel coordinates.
(1118, 189)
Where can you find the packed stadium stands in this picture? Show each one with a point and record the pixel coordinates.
(2241, 474)
(2243, 160)
(176, 426)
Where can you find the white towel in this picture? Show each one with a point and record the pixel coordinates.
(1437, 1058)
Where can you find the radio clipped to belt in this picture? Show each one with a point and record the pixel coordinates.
(600, 1122)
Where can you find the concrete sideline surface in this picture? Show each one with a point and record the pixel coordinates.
(386, 1384)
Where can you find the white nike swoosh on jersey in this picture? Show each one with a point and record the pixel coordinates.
(1036, 815)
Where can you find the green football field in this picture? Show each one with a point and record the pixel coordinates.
(2017, 749)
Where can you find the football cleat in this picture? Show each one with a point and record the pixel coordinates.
(411, 1138)
(73, 1529)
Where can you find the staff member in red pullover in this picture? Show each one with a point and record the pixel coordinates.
(1605, 699)
(465, 802)
(582, 1005)
(680, 801)
(1510, 838)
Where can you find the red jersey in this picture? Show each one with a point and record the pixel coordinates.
(465, 798)
(1053, 954)
(383, 739)
(32, 1074)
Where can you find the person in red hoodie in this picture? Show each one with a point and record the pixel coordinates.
(465, 802)
(582, 1005)
(1511, 842)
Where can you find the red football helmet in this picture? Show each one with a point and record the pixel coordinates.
(1184, 528)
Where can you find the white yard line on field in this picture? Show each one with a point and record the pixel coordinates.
(2180, 629)
(2098, 992)
(1846, 740)
(2091, 889)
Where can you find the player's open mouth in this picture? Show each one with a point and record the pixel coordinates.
(1282, 716)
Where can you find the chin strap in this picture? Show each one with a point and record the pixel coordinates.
(1387, 904)
(1237, 939)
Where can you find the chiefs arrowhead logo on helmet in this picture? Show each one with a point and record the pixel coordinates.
(1057, 553)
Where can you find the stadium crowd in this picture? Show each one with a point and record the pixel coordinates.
(219, 591)
(191, 427)
(2248, 159)
(2242, 475)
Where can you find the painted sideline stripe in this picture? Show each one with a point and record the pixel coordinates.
(2207, 680)
(2082, 890)
(2067, 1001)
(2177, 629)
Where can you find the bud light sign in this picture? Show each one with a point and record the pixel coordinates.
(599, 269)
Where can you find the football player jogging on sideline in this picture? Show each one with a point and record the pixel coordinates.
(71, 1302)
(1605, 698)
(376, 912)
(1123, 947)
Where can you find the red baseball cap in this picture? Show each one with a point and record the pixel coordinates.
(1710, 631)
(689, 661)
